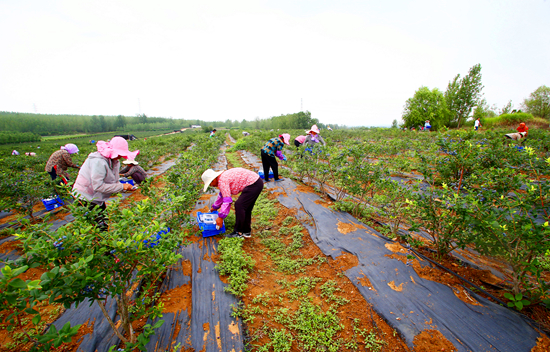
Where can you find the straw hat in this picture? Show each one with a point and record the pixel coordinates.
(133, 162)
(208, 176)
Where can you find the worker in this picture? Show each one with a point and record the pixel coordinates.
(134, 171)
(60, 161)
(98, 177)
(313, 137)
(213, 132)
(273, 148)
(231, 182)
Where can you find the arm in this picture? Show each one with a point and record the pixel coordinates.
(321, 140)
(69, 161)
(128, 171)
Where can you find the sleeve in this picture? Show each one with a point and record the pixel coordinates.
(68, 160)
(225, 208)
(321, 140)
(279, 155)
(217, 204)
(124, 171)
(98, 173)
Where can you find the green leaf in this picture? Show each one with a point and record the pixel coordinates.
(31, 311)
(18, 283)
(158, 324)
(519, 305)
(519, 296)
(509, 296)
(36, 319)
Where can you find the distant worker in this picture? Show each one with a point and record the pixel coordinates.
(134, 171)
(313, 137)
(273, 148)
(30, 153)
(14, 152)
(298, 141)
(477, 124)
(523, 128)
(245, 134)
(328, 128)
(213, 132)
(60, 161)
(427, 126)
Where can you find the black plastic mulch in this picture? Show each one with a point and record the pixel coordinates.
(209, 326)
(413, 304)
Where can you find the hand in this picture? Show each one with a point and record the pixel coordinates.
(219, 223)
(127, 187)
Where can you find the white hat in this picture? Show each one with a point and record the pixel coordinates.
(208, 176)
(130, 162)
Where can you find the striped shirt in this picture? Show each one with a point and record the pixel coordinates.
(272, 145)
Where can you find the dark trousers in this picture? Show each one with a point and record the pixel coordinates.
(267, 162)
(61, 181)
(245, 204)
(297, 144)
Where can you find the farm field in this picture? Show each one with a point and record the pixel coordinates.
(342, 258)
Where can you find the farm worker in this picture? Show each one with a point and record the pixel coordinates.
(245, 133)
(213, 132)
(427, 125)
(523, 128)
(230, 182)
(477, 124)
(98, 176)
(59, 161)
(271, 150)
(313, 137)
(328, 128)
(14, 152)
(298, 141)
(133, 170)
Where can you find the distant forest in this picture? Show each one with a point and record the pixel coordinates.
(46, 125)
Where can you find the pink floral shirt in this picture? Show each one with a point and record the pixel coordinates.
(233, 181)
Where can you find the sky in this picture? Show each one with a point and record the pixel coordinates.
(351, 63)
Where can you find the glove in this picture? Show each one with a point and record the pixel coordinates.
(284, 157)
(219, 223)
(279, 155)
(225, 208)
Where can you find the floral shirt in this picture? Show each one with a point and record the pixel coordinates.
(63, 160)
(233, 181)
(272, 146)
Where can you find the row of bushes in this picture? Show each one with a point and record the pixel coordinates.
(18, 137)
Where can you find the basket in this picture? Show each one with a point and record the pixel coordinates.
(126, 181)
(262, 176)
(52, 203)
(154, 239)
(207, 224)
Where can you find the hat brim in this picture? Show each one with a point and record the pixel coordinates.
(217, 173)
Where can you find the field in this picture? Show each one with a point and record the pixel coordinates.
(383, 240)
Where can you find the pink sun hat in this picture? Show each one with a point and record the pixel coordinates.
(286, 138)
(314, 128)
(116, 147)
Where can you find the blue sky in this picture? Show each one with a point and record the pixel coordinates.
(348, 62)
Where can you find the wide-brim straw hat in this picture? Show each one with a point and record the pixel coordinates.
(208, 176)
(133, 162)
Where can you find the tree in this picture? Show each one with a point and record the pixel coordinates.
(538, 102)
(483, 110)
(507, 109)
(120, 122)
(425, 105)
(394, 124)
(463, 95)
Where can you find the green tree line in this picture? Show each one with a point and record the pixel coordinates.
(463, 100)
(45, 125)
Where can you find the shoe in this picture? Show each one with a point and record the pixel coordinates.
(234, 234)
(279, 179)
(246, 235)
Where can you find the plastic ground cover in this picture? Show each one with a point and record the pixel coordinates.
(409, 303)
(209, 326)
